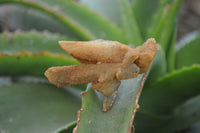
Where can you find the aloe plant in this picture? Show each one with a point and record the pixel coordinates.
(169, 100)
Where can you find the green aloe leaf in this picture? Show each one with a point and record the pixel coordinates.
(143, 11)
(169, 25)
(83, 22)
(187, 51)
(184, 116)
(157, 70)
(31, 64)
(92, 119)
(181, 119)
(171, 53)
(69, 128)
(163, 24)
(147, 122)
(111, 13)
(193, 129)
(21, 53)
(130, 25)
(36, 108)
(26, 18)
(171, 91)
(34, 42)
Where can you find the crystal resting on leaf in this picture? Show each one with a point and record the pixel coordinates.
(105, 64)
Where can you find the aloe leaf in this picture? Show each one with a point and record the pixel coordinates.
(130, 25)
(193, 129)
(184, 116)
(147, 122)
(163, 24)
(25, 18)
(187, 51)
(182, 119)
(157, 70)
(31, 64)
(171, 54)
(163, 29)
(33, 41)
(83, 22)
(171, 91)
(169, 26)
(68, 128)
(143, 11)
(110, 10)
(91, 117)
(40, 108)
(16, 61)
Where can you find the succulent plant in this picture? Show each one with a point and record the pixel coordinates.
(170, 98)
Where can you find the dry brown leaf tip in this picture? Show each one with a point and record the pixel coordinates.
(106, 63)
